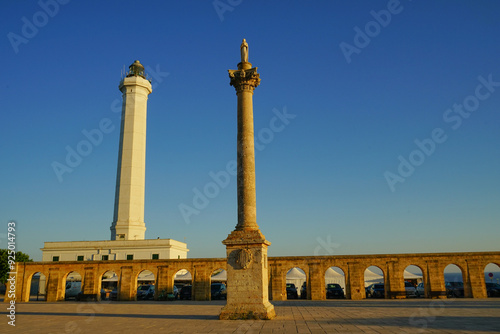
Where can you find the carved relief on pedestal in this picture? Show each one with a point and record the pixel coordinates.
(240, 258)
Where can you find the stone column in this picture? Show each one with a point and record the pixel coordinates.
(435, 280)
(355, 281)
(90, 288)
(395, 287)
(466, 280)
(316, 281)
(475, 273)
(246, 246)
(425, 275)
(278, 281)
(164, 280)
(127, 287)
(128, 220)
(201, 283)
(55, 287)
(24, 294)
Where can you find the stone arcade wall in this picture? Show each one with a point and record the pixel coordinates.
(392, 265)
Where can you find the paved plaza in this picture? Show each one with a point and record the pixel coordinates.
(295, 316)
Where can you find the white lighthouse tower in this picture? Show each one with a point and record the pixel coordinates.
(128, 228)
(128, 220)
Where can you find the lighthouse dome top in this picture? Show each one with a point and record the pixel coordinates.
(136, 70)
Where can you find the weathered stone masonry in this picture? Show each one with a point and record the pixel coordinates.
(393, 265)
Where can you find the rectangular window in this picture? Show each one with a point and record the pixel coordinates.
(79, 258)
(55, 258)
(105, 257)
(156, 256)
(130, 257)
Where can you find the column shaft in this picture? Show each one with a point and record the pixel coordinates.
(247, 207)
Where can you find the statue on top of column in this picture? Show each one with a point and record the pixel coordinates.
(244, 51)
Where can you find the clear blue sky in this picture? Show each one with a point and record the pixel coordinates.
(360, 100)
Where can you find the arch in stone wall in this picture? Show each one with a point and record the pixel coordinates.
(454, 280)
(104, 269)
(37, 289)
(298, 277)
(108, 285)
(218, 275)
(492, 284)
(413, 275)
(144, 279)
(335, 275)
(28, 272)
(72, 284)
(493, 266)
(372, 277)
(100, 272)
(457, 264)
(183, 277)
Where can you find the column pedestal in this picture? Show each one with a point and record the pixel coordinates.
(247, 277)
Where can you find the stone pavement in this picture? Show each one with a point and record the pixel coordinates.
(295, 316)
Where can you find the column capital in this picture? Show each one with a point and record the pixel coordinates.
(244, 79)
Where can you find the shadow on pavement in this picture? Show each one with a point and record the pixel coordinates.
(122, 315)
(391, 303)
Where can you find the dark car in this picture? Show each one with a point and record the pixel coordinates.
(334, 291)
(291, 291)
(185, 292)
(493, 289)
(146, 291)
(454, 289)
(303, 291)
(376, 291)
(177, 289)
(113, 295)
(218, 291)
(367, 290)
(410, 290)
